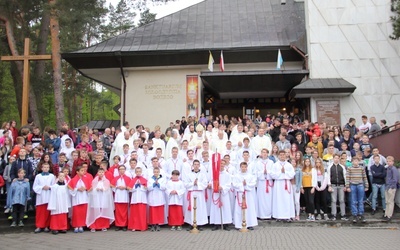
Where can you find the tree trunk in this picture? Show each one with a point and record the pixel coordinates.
(56, 60)
(19, 65)
(40, 66)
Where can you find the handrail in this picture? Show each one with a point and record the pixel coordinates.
(387, 130)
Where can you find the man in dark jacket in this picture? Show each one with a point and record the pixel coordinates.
(275, 130)
(378, 172)
(22, 162)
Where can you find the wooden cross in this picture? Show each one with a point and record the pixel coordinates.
(25, 80)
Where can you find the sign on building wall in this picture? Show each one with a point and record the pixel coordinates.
(328, 112)
(192, 95)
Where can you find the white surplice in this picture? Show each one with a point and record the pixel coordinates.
(282, 201)
(249, 191)
(264, 193)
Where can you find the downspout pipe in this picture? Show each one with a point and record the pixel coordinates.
(305, 57)
(121, 66)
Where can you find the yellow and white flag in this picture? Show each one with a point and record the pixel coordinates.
(211, 63)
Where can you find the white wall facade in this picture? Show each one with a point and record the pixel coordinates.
(349, 39)
(157, 95)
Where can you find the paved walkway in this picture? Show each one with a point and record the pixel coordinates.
(260, 238)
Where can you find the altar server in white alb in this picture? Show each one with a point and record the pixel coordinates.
(100, 212)
(244, 183)
(121, 198)
(175, 190)
(42, 186)
(156, 199)
(265, 185)
(196, 182)
(283, 201)
(59, 203)
(220, 205)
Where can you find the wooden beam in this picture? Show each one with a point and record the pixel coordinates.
(21, 58)
(25, 84)
(26, 58)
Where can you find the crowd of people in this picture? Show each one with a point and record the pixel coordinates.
(229, 170)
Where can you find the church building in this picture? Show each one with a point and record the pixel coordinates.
(337, 62)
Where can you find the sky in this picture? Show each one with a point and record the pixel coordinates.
(164, 10)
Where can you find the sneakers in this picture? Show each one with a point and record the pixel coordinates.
(7, 210)
(179, 228)
(158, 228)
(55, 232)
(104, 229)
(344, 218)
(76, 230)
(386, 219)
(318, 217)
(38, 230)
(333, 217)
(93, 230)
(20, 224)
(355, 219)
(46, 230)
(80, 230)
(14, 224)
(368, 202)
(311, 218)
(152, 228)
(326, 217)
(362, 219)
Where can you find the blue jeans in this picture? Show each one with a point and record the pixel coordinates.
(357, 197)
(8, 202)
(375, 189)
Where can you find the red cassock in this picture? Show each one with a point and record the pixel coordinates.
(156, 215)
(175, 215)
(137, 217)
(42, 216)
(79, 212)
(137, 214)
(121, 209)
(100, 223)
(59, 222)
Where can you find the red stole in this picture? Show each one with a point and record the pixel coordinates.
(141, 180)
(87, 180)
(126, 179)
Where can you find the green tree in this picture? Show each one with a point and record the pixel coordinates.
(146, 17)
(395, 19)
(121, 19)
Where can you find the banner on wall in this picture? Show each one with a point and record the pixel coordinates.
(192, 95)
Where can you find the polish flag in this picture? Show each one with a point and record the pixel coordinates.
(221, 63)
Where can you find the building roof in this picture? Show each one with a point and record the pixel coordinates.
(232, 25)
(248, 31)
(323, 87)
(214, 24)
(101, 124)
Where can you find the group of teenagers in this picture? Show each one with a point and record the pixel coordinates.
(227, 181)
